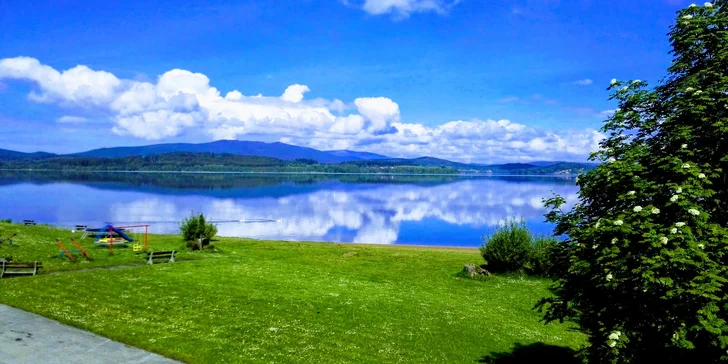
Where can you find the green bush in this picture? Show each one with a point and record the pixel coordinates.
(196, 230)
(7, 221)
(508, 248)
(644, 271)
(541, 256)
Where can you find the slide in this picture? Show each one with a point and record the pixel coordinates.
(121, 233)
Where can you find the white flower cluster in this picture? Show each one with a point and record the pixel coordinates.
(684, 146)
(631, 193)
(694, 212)
(637, 208)
(701, 246)
(680, 224)
(618, 222)
(708, 5)
(673, 230)
(655, 211)
(698, 92)
(663, 240)
(614, 241)
(674, 198)
(613, 337)
(701, 176)
(613, 82)
(687, 17)
(609, 276)
(678, 190)
(686, 166)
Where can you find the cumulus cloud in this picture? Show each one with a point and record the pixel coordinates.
(404, 8)
(181, 101)
(294, 93)
(79, 84)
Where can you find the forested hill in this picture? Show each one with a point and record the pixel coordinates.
(207, 162)
(210, 162)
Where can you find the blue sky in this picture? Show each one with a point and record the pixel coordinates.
(469, 80)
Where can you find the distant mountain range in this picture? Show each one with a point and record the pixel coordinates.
(287, 152)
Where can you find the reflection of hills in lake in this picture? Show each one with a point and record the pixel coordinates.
(433, 210)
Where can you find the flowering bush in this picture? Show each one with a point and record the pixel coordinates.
(644, 269)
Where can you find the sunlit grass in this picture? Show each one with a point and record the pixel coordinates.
(262, 301)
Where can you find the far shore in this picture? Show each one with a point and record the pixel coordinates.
(305, 173)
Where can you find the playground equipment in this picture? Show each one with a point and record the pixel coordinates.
(8, 240)
(110, 235)
(69, 253)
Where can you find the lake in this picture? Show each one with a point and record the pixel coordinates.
(373, 209)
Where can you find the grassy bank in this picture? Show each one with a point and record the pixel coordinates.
(257, 301)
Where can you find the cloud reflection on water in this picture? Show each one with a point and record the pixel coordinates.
(356, 213)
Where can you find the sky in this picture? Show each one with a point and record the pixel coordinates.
(467, 80)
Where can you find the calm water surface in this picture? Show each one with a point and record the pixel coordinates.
(443, 211)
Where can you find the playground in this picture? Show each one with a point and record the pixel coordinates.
(59, 249)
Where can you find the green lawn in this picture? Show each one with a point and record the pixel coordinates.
(260, 301)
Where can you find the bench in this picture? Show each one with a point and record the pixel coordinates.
(19, 268)
(169, 255)
(28, 222)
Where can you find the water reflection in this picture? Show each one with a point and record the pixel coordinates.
(375, 210)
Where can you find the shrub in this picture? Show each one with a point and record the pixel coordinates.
(541, 256)
(508, 248)
(644, 270)
(6, 221)
(196, 230)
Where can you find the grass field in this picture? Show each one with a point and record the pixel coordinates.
(263, 301)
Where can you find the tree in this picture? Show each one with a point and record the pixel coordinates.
(644, 267)
(195, 229)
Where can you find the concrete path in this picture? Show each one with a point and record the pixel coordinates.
(29, 338)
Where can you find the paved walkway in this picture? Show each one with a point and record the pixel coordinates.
(29, 338)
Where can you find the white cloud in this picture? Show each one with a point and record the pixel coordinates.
(584, 82)
(380, 111)
(181, 101)
(67, 119)
(79, 84)
(404, 8)
(608, 112)
(294, 93)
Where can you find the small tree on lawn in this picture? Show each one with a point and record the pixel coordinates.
(195, 229)
(644, 271)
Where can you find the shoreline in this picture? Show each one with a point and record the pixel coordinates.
(570, 176)
(242, 238)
